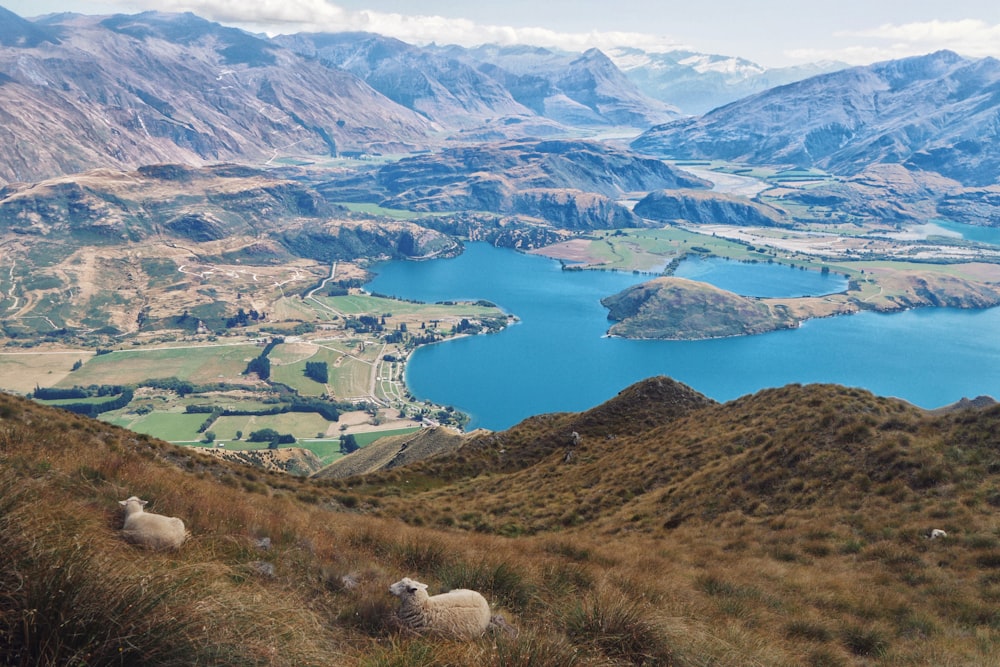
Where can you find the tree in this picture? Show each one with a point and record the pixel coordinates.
(348, 443)
(209, 436)
(264, 435)
(318, 371)
(239, 434)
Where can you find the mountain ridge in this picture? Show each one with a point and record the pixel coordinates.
(931, 113)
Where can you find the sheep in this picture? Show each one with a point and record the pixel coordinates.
(937, 533)
(154, 531)
(458, 614)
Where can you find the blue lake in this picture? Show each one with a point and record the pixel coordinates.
(762, 280)
(558, 358)
(990, 235)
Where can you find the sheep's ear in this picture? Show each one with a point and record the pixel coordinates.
(123, 502)
(417, 586)
(143, 502)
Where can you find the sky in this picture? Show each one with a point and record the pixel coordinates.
(773, 33)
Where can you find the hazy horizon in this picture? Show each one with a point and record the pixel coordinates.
(786, 33)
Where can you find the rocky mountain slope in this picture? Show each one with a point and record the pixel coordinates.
(445, 90)
(708, 207)
(570, 88)
(124, 91)
(934, 113)
(566, 183)
(80, 92)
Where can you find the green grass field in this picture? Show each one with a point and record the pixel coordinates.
(650, 249)
(170, 426)
(198, 364)
(299, 424)
(375, 209)
(364, 304)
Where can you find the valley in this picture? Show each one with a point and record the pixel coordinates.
(181, 285)
(678, 359)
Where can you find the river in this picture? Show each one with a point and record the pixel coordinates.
(559, 359)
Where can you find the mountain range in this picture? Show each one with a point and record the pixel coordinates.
(698, 82)
(936, 113)
(79, 92)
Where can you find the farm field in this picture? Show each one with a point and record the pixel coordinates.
(300, 424)
(200, 364)
(23, 371)
(178, 427)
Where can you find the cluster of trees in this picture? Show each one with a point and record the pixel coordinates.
(327, 410)
(318, 371)
(261, 365)
(348, 443)
(365, 324)
(272, 437)
(57, 394)
(96, 408)
(243, 318)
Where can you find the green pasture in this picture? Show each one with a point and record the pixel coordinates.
(350, 369)
(351, 378)
(364, 304)
(198, 364)
(643, 249)
(294, 376)
(169, 426)
(375, 209)
(299, 424)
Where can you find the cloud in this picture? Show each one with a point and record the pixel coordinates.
(291, 16)
(969, 37)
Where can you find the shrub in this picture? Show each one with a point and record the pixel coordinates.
(864, 641)
(502, 584)
(620, 628)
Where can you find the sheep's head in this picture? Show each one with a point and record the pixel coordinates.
(406, 586)
(133, 500)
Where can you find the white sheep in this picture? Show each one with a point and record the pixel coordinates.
(458, 614)
(937, 533)
(151, 530)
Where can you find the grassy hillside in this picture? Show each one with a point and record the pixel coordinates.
(681, 309)
(784, 528)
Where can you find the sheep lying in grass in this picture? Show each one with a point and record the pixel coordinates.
(938, 534)
(458, 614)
(154, 531)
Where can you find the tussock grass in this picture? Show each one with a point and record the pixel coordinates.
(678, 554)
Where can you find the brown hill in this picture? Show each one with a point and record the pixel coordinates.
(292, 460)
(680, 309)
(785, 528)
(392, 452)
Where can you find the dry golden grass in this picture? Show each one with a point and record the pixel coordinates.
(659, 546)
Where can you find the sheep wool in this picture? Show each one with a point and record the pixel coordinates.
(458, 614)
(154, 531)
